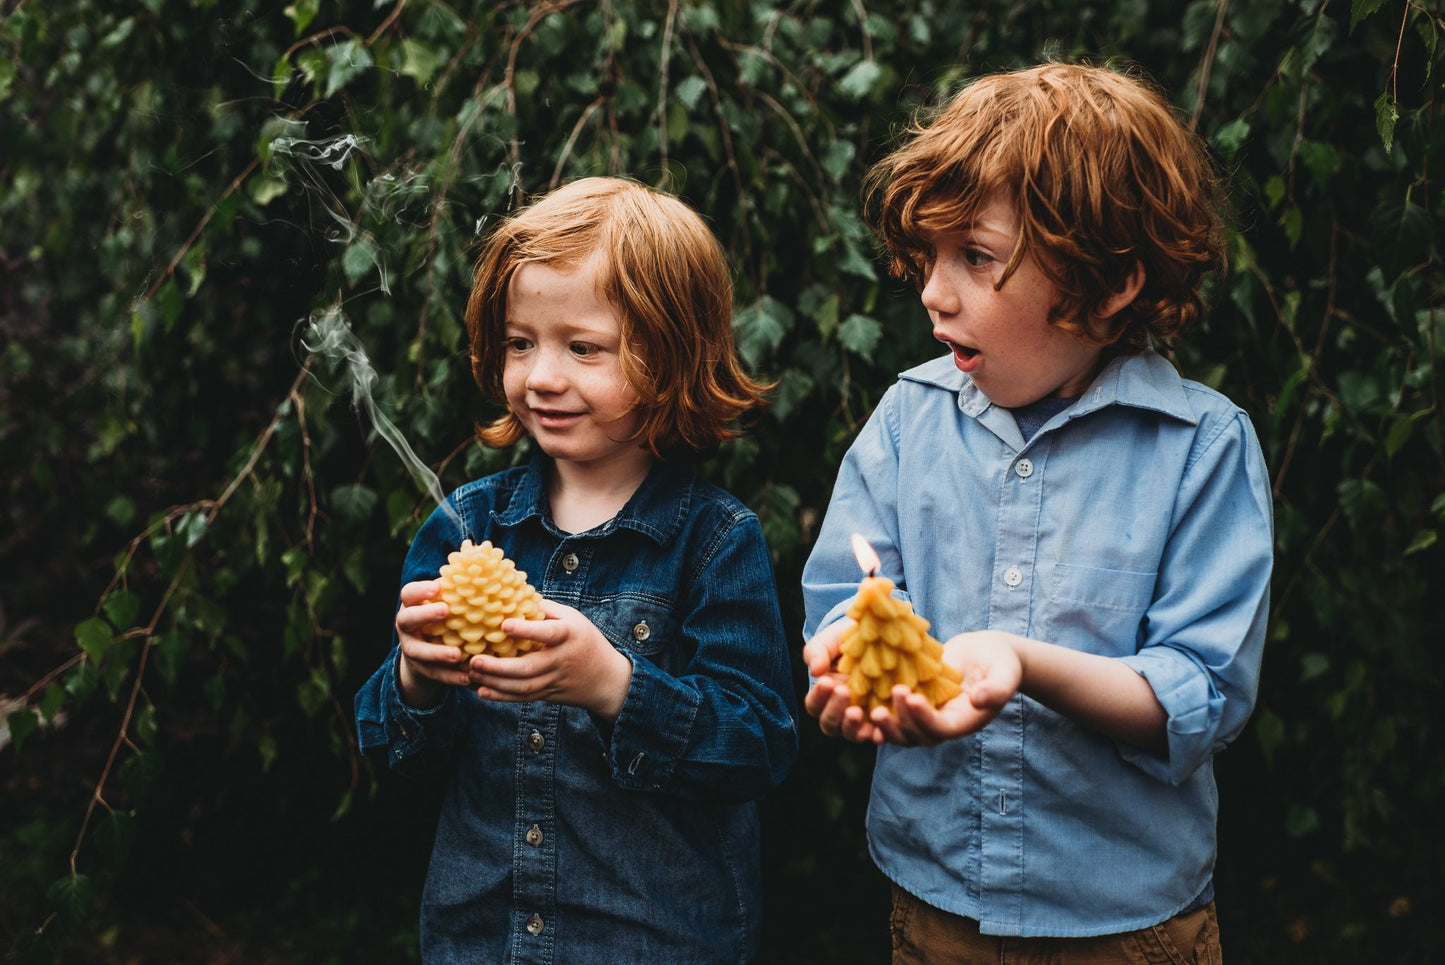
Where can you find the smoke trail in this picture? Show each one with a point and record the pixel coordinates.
(329, 335)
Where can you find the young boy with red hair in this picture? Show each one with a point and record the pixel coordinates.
(1090, 533)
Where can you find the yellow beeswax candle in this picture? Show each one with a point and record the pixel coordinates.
(889, 645)
(483, 588)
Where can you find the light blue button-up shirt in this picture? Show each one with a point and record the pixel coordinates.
(1135, 524)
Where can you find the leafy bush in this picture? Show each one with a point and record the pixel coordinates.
(204, 517)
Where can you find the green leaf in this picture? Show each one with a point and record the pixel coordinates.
(1422, 541)
(302, 12)
(860, 334)
(267, 749)
(72, 897)
(121, 608)
(1313, 665)
(139, 771)
(94, 636)
(689, 91)
(51, 701)
(20, 724)
(1229, 138)
(1301, 820)
(861, 79)
(1360, 9)
(759, 329)
(192, 528)
(1269, 731)
(359, 259)
(353, 503)
(1387, 112)
(344, 63)
(313, 692)
(419, 61)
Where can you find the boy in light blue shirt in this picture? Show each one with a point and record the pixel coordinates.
(1090, 533)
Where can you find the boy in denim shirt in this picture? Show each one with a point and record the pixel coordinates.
(600, 791)
(1090, 533)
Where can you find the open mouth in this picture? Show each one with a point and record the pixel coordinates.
(965, 357)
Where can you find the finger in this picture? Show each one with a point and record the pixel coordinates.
(419, 592)
(413, 617)
(549, 632)
(557, 611)
(857, 727)
(821, 652)
(817, 696)
(524, 667)
(419, 650)
(833, 708)
(919, 722)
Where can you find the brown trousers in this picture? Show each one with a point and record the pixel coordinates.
(924, 935)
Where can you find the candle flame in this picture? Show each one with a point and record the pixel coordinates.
(867, 559)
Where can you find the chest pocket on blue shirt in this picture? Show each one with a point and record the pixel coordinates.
(635, 622)
(1097, 610)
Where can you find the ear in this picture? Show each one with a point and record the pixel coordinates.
(1120, 297)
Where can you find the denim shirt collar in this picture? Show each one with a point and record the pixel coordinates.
(1145, 380)
(657, 510)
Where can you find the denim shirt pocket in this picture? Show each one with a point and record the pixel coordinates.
(639, 623)
(1097, 610)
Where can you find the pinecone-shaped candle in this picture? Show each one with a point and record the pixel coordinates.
(889, 645)
(483, 588)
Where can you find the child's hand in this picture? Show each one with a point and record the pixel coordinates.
(426, 668)
(992, 673)
(828, 699)
(576, 665)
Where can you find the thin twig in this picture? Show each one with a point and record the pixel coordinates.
(1206, 64)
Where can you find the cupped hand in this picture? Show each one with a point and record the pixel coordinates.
(992, 673)
(576, 665)
(828, 698)
(426, 667)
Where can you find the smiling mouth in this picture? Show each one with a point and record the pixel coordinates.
(552, 416)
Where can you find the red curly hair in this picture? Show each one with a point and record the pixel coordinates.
(1102, 175)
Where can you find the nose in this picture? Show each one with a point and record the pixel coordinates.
(547, 372)
(939, 294)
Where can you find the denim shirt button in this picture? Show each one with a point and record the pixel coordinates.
(536, 741)
(534, 836)
(1024, 468)
(570, 562)
(1013, 576)
(534, 925)
(641, 632)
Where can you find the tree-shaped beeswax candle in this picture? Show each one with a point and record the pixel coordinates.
(889, 645)
(483, 588)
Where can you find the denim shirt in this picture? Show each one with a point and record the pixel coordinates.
(565, 838)
(1136, 524)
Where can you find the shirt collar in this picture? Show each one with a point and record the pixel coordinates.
(657, 510)
(1145, 380)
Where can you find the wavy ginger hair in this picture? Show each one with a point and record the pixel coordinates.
(1102, 176)
(666, 276)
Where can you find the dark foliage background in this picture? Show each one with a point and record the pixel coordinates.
(200, 530)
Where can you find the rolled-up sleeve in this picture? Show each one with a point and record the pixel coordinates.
(725, 729)
(1204, 633)
(409, 740)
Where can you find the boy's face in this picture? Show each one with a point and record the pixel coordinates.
(1002, 339)
(562, 373)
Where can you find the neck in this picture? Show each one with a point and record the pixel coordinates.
(583, 498)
